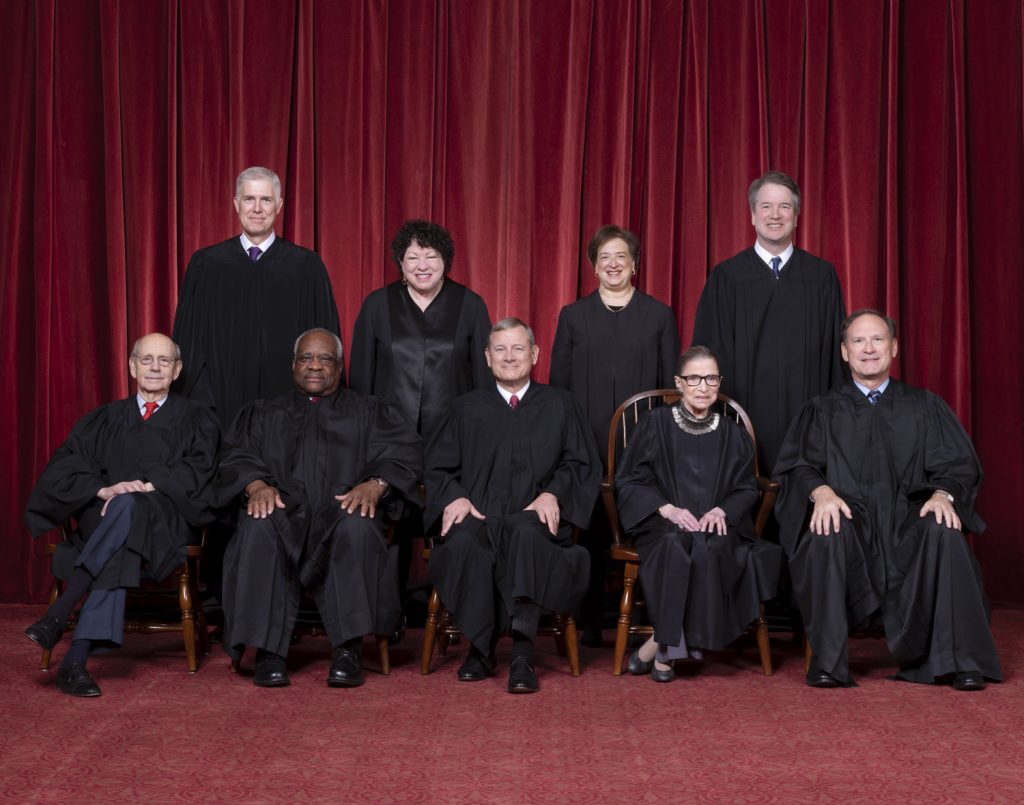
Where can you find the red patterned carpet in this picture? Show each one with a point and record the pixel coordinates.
(724, 734)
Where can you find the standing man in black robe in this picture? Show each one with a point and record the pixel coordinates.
(134, 475)
(510, 471)
(771, 314)
(321, 468)
(241, 306)
(887, 477)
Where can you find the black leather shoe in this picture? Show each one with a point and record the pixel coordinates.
(270, 671)
(521, 676)
(346, 668)
(638, 667)
(76, 681)
(822, 679)
(663, 676)
(46, 633)
(969, 680)
(475, 668)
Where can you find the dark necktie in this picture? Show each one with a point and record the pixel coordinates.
(776, 263)
(513, 401)
(873, 396)
(150, 408)
(254, 253)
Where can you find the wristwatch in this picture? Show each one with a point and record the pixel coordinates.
(384, 484)
(945, 494)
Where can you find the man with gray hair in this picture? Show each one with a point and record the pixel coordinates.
(134, 475)
(510, 471)
(244, 300)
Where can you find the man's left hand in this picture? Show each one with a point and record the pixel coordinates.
(546, 506)
(364, 496)
(939, 505)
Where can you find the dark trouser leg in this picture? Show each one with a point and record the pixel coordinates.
(665, 574)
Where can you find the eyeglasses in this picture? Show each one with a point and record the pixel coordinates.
(695, 380)
(161, 360)
(307, 358)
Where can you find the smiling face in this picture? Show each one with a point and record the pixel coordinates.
(614, 265)
(774, 217)
(698, 399)
(257, 206)
(511, 357)
(869, 349)
(316, 368)
(422, 269)
(154, 365)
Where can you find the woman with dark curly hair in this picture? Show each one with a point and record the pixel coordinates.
(419, 342)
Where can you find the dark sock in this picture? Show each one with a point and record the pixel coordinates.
(522, 646)
(263, 655)
(77, 586)
(354, 643)
(77, 653)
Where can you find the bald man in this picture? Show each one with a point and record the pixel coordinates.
(134, 475)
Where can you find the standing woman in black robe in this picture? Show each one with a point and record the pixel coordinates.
(419, 342)
(608, 346)
(685, 489)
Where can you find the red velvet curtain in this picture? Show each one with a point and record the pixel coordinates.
(522, 126)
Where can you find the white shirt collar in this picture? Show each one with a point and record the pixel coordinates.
(142, 403)
(508, 394)
(248, 244)
(881, 388)
(767, 256)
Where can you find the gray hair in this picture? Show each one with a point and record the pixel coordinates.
(135, 347)
(866, 311)
(338, 351)
(775, 177)
(257, 174)
(694, 353)
(511, 323)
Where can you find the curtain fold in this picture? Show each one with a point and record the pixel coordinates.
(522, 126)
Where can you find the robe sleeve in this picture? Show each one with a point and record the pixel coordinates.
(668, 349)
(578, 473)
(482, 376)
(187, 330)
(72, 477)
(560, 374)
(737, 478)
(442, 474)
(394, 452)
(638, 490)
(188, 481)
(241, 456)
(835, 373)
(801, 467)
(362, 365)
(714, 326)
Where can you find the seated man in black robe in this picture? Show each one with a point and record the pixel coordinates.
(888, 477)
(510, 471)
(134, 474)
(320, 466)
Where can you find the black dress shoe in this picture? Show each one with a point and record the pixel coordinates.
(46, 633)
(638, 667)
(346, 668)
(475, 668)
(821, 679)
(74, 680)
(521, 676)
(969, 680)
(270, 671)
(663, 676)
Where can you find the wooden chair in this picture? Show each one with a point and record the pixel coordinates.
(623, 422)
(184, 580)
(562, 627)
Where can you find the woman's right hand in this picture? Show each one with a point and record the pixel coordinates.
(681, 517)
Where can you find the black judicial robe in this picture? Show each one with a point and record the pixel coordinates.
(703, 587)
(502, 459)
(175, 450)
(237, 321)
(885, 461)
(777, 341)
(314, 449)
(604, 357)
(420, 360)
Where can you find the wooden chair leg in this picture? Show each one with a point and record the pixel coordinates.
(383, 655)
(430, 630)
(807, 654)
(763, 646)
(571, 643)
(560, 625)
(629, 576)
(188, 624)
(44, 661)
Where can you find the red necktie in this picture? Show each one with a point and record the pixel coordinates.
(150, 408)
(514, 402)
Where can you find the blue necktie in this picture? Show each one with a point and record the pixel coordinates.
(776, 263)
(254, 253)
(873, 396)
